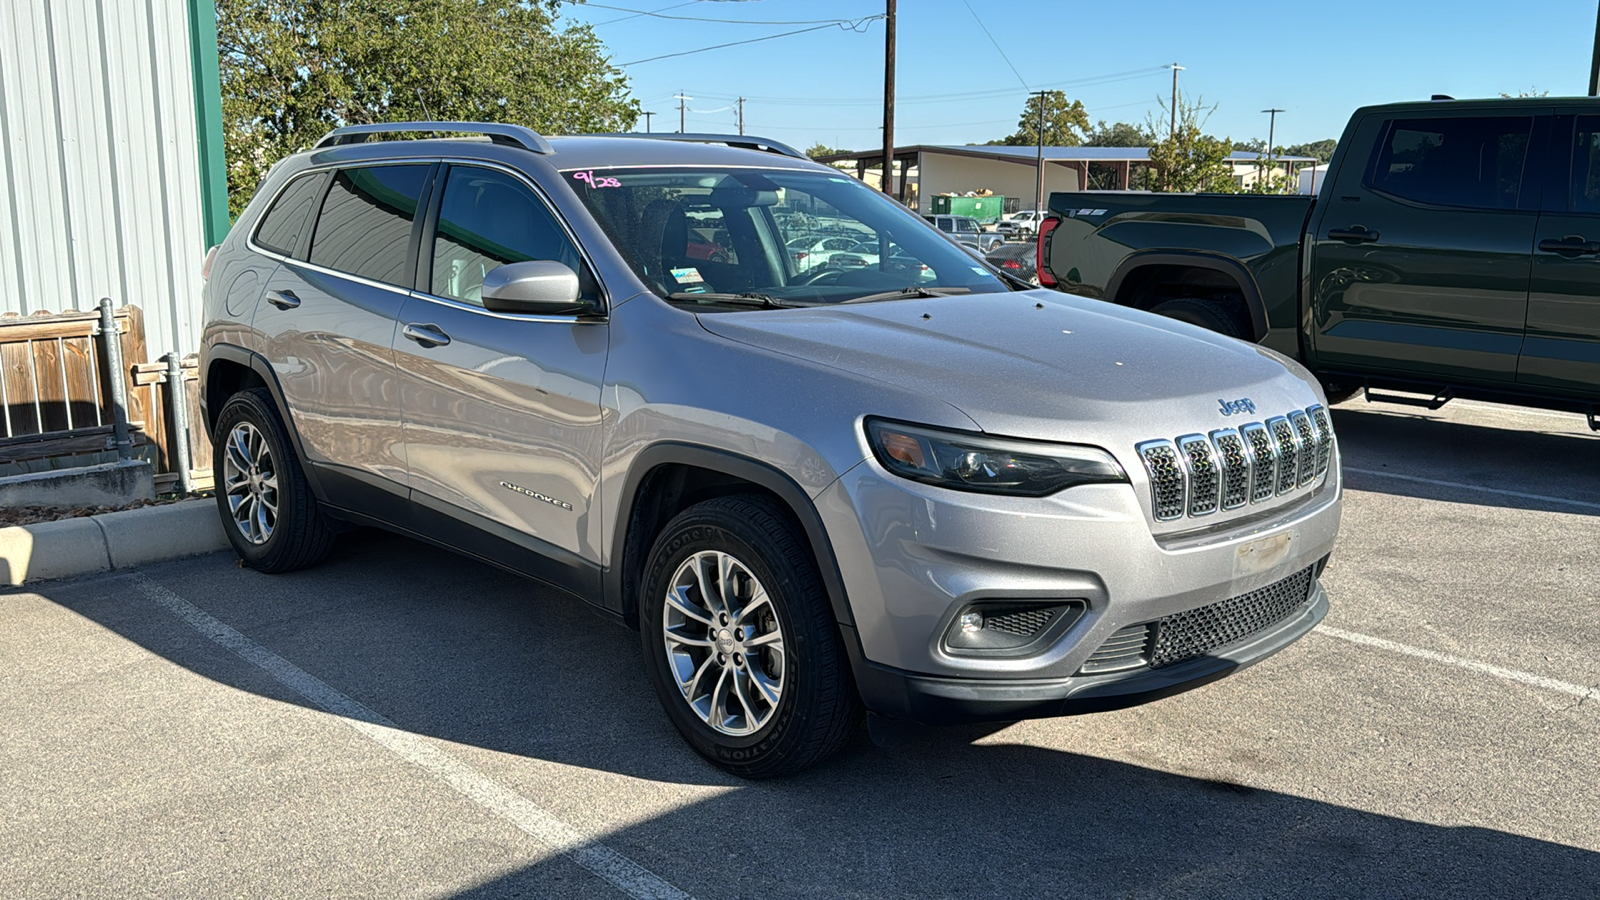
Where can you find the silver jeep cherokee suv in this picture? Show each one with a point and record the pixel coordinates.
(908, 485)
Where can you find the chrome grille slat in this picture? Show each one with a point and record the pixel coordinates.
(1308, 446)
(1264, 461)
(1201, 466)
(1234, 461)
(1229, 469)
(1288, 453)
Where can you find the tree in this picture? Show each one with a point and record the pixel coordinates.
(1322, 150)
(821, 149)
(1065, 124)
(293, 70)
(1119, 135)
(1187, 159)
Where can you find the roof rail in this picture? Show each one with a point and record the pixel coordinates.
(510, 135)
(746, 141)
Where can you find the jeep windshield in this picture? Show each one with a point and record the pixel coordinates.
(752, 238)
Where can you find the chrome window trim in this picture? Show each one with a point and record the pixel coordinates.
(605, 293)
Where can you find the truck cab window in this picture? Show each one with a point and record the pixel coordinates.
(1474, 163)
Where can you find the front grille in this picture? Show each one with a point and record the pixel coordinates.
(1022, 623)
(1197, 475)
(1128, 648)
(1197, 632)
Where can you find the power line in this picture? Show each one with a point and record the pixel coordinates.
(858, 27)
(996, 44)
(638, 14)
(1091, 81)
(658, 15)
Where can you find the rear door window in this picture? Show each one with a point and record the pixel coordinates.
(487, 219)
(289, 218)
(1475, 163)
(365, 224)
(1586, 166)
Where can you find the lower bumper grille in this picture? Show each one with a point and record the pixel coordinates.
(1188, 635)
(1184, 636)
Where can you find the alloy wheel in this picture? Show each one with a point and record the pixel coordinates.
(723, 642)
(250, 482)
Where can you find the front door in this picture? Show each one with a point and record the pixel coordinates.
(328, 322)
(502, 413)
(1421, 257)
(1562, 349)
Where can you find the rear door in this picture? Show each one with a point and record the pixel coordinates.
(502, 411)
(1421, 258)
(327, 320)
(1562, 349)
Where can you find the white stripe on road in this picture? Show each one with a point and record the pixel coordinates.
(627, 875)
(1528, 678)
(1581, 504)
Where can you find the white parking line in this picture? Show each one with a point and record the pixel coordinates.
(1582, 504)
(627, 875)
(1472, 665)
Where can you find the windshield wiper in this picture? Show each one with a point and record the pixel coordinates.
(915, 290)
(763, 301)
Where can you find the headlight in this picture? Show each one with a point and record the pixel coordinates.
(971, 462)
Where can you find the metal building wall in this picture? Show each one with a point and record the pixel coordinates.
(100, 185)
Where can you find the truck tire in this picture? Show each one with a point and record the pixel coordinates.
(1339, 390)
(268, 512)
(745, 656)
(1214, 315)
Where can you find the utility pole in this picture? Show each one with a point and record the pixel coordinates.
(647, 115)
(682, 100)
(1175, 70)
(888, 98)
(1272, 127)
(1594, 64)
(1038, 190)
(741, 115)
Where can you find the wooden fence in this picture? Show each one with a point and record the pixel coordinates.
(56, 394)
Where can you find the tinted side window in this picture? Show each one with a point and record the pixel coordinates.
(283, 224)
(1474, 163)
(1586, 166)
(365, 224)
(488, 219)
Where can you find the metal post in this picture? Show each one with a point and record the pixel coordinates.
(116, 379)
(1594, 63)
(1173, 129)
(888, 97)
(741, 115)
(1038, 187)
(647, 115)
(178, 402)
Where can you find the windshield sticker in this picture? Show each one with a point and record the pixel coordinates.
(979, 269)
(689, 276)
(595, 181)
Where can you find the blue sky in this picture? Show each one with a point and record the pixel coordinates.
(1317, 62)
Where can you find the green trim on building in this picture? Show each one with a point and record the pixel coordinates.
(208, 119)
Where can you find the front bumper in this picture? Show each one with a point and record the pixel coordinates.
(930, 700)
(914, 557)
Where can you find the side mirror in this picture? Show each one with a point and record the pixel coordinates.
(539, 286)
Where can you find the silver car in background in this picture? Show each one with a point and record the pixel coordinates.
(912, 487)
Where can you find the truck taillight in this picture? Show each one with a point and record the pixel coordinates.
(1045, 227)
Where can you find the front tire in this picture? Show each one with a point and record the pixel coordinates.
(739, 640)
(268, 512)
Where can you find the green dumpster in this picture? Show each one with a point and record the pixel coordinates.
(985, 209)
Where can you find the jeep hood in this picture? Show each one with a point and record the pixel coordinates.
(1039, 364)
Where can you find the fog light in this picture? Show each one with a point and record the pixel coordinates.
(1010, 627)
(971, 623)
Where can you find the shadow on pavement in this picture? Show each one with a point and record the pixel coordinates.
(1552, 464)
(452, 649)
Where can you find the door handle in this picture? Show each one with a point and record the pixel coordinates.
(283, 299)
(1355, 234)
(1573, 246)
(426, 335)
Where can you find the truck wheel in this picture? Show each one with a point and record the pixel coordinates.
(1339, 391)
(268, 512)
(739, 640)
(1209, 314)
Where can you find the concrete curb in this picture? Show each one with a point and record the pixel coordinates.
(71, 547)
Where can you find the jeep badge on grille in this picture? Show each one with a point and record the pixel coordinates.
(1242, 405)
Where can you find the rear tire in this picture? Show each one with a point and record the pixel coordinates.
(746, 659)
(1214, 315)
(268, 512)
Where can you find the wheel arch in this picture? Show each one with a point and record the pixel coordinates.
(1139, 280)
(669, 477)
(230, 369)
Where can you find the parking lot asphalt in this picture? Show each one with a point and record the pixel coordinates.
(404, 722)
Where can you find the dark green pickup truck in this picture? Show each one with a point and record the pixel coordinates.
(1454, 249)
